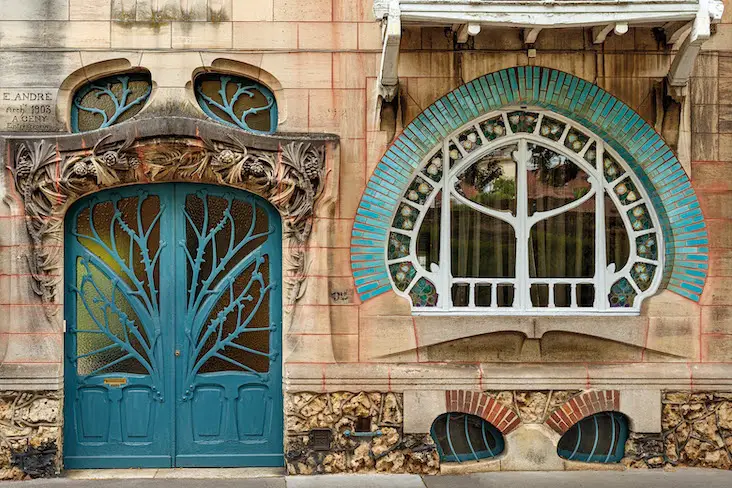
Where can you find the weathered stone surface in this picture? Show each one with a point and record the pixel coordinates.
(386, 450)
(532, 406)
(30, 433)
(697, 431)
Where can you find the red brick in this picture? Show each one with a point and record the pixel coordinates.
(474, 403)
(483, 401)
(594, 398)
(514, 423)
(497, 415)
(563, 417)
(466, 401)
(461, 399)
(616, 401)
(580, 400)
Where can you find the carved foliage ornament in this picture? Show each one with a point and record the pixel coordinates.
(291, 178)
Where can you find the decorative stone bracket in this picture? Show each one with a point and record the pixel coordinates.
(686, 23)
(51, 172)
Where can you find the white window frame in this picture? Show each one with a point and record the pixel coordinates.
(603, 279)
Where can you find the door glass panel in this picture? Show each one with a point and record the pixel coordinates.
(491, 181)
(241, 327)
(110, 336)
(222, 234)
(553, 180)
(120, 271)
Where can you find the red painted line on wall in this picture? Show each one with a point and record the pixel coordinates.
(416, 339)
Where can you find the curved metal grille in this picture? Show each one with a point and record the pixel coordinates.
(599, 438)
(237, 101)
(464, 437)
(109, 101)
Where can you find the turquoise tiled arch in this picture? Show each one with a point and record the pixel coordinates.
(682, 222)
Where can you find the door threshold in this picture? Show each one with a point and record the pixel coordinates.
(173, 473)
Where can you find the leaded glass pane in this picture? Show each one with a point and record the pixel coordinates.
(108, 101)
(428, 238)
(563, 246)
(237, 101)
(553, 180)
(617, 243)
(482, 246)
(491, 181)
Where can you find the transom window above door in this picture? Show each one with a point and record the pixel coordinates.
(525, 211)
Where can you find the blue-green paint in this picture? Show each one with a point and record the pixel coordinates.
(171, 411)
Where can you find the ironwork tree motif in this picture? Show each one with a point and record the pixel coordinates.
(238, 99)
(140, 292)
(207, 333)
(113, 98)
(292, 179)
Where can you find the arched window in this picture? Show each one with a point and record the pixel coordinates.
(110, 100)
(523, 211)
(238, 101)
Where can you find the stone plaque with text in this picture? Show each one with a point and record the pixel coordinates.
(28, 110)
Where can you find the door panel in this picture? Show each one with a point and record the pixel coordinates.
(173, 313)
(230, 334)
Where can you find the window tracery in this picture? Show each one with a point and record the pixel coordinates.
(524, 211)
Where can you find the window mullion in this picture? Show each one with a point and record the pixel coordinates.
(600, 239)
(522, 238)
(445, 272)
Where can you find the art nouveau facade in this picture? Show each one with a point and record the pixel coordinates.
(352, 236)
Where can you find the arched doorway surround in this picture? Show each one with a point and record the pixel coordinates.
(295, 173)
(635, 141)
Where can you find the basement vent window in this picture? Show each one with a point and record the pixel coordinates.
(599, 438)
(463, 437)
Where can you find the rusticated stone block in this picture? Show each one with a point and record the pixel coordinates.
(30, 434)
(386, 448)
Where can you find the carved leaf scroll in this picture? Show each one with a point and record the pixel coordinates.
(291, 178)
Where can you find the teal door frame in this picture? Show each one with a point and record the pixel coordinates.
(205, 385)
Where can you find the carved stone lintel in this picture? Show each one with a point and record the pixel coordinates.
(289, 174)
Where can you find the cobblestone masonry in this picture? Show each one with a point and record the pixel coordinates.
(30, 434)
(392, 452)
(697, 431)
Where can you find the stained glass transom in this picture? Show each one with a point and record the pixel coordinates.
(524, 211)
(237, 101)
(108, 101)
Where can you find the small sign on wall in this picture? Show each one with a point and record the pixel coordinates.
(28, 110)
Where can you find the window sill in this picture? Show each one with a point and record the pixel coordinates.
(512, 312)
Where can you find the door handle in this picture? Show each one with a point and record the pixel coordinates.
(177, 353)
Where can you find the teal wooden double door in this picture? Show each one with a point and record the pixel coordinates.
(173, 310)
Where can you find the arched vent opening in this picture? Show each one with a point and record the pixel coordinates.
(110, 100)
(237, 101)
(599, 438)
(464, 437)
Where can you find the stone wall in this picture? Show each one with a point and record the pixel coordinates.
(697, 432)
(30, 434)
(391, 452)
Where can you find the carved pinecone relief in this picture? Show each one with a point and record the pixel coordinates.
(292, 180)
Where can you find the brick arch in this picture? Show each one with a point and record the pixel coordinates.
(642, 148)
(479, 404)
(581, 406)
